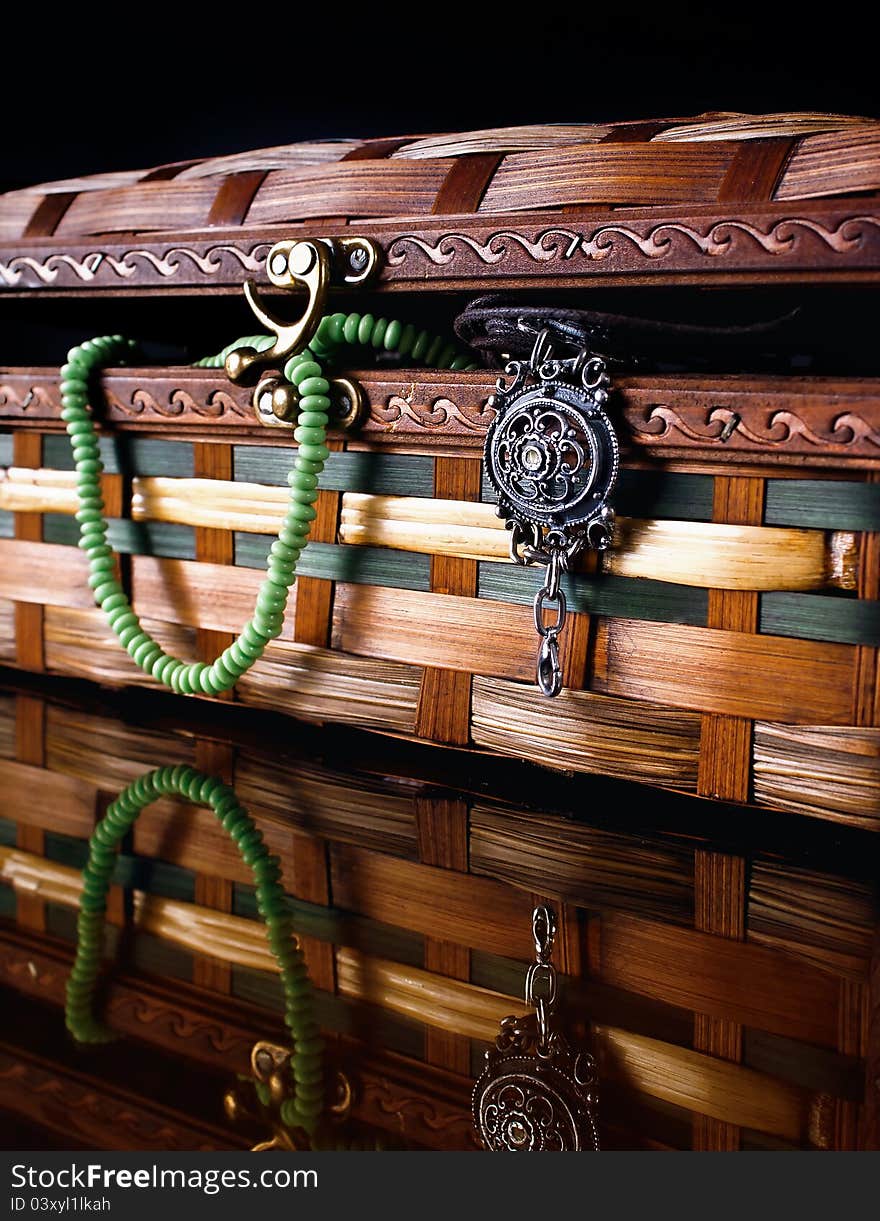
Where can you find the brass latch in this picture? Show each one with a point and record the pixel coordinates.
(259, 1098)
(313, 266)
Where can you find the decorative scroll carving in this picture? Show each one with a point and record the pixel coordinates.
(781, 238)
(168, 265)
(171, 1024)
(178, 1025)
(434, 413)
(93, 1116)
(783, 427)
(416, 1111)
(35, 401)
(178, 403)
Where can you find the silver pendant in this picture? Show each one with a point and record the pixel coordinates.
(537, 1094)
(552, 458)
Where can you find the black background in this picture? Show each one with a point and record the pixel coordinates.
(132, 88)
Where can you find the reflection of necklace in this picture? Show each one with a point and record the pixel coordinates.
(304, 1108)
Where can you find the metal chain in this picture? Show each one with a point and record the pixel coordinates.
(551, 597)
(542, 972)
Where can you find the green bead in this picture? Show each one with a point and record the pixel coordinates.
(303, 479)
(350, 328)
(303, 372)
(393, 333)
(308, 465)
(308, 436)
(122, 616)
(336, 329)
(315, 402)
(377, 338)
(313, 419)
(299, 512)
(420, 345)
(314, 453)
(313, 385)
(407, 339)
(365, 329)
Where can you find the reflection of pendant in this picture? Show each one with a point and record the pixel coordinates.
(552, 457)
(536, 1094)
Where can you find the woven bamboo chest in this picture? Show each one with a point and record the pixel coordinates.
(693, 781)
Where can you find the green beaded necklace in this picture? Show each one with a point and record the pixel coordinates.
(304, 1109)
(303, 370)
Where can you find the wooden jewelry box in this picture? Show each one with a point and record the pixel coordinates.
(724, 646)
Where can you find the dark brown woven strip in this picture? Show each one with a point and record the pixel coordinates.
(465, 185)
(634, 133)
(232, 201)
(756, 170)
(376, 150)
(48, 213)
(164, 173)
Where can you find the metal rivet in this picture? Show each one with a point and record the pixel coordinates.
(279, 264)
(730, 427)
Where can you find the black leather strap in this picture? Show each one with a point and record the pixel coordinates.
(495, 328)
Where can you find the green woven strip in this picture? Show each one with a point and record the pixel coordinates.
(622, 597)
(6, 448)
(61, 922)
(661, 494)
(169, 539)
(817, 1069)
(334, 1013)
(498, 974)
(132, 872)
(341, 928)
(653, 494)
(159, 957)
(7, 524)
(123, 455)
(823, 504)
(821, 617)
(8, 832)
(8, 902)
(145, 953)
(381, 474)
(335, 562)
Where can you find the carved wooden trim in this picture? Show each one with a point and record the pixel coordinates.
(91, 1112)
(805, 421)
(764, 239)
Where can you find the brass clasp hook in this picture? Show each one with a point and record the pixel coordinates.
(295, 265)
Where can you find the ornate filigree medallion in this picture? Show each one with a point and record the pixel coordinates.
(536, 1094)
(552, 458)
(523, 1104)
